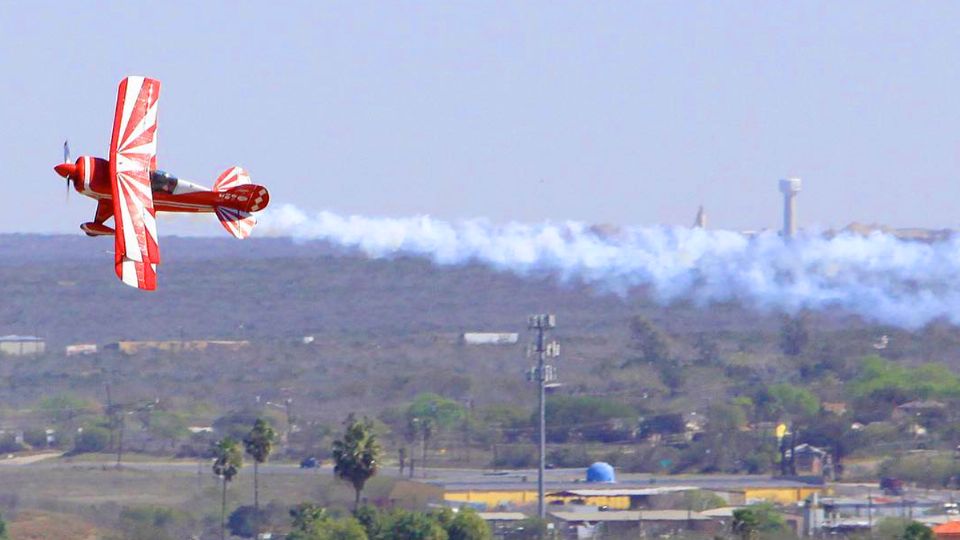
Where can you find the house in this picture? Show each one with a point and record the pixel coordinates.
(810, 460)
(22, 345)
(917, 409)
(947, 531)
(490, 338)
(81, 349)
(838, 408)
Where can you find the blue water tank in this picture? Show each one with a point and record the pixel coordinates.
(600, 472)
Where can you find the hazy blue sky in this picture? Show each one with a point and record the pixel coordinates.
(614, 112)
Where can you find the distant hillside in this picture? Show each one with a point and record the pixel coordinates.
(63, 288)
(385, 330)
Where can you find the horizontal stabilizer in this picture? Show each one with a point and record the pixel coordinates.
(236, 222)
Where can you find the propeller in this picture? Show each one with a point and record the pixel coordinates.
(66, 159)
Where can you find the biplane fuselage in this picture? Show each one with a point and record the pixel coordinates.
(91, 177)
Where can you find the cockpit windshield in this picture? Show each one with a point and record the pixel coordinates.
(163, 181)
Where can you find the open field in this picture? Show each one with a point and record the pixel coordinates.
(95, 494)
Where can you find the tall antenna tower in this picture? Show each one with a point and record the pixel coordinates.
(542, 373)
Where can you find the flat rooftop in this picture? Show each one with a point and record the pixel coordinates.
(572, 480)
(631, 515)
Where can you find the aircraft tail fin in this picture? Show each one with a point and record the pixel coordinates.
(238, 199)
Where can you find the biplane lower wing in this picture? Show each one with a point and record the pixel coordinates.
(133, 153)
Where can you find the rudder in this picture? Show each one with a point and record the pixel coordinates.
(239, 198)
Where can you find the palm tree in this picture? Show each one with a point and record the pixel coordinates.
(259, 444)
(356, 455)
(227, 464)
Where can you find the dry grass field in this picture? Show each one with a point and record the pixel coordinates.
(83, 498)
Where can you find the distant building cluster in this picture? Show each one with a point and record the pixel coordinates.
(791, 187)
(14, 345)
(135, 347)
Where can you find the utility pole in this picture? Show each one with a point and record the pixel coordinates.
(541, 374)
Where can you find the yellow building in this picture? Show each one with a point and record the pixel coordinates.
(622, 496)
(613, 496)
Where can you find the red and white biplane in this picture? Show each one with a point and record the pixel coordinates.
(130, 188)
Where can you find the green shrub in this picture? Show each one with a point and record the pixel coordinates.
(36, 438)
(92, 439)
(8, 443)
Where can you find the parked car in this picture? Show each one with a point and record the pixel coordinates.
(309, 463)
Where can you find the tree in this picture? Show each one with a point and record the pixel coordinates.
(91, 439)
(373, 521)
(430, 413)
(356, 456)
(345, 528)
(305, 515)
(785, 401)
(726, 418)
(673, 376)
(226, 465)
(245, 521)
(167, 426)
(648, 342)
(759, 518)
(424, 427)
(892, 528)
(259, 443)
(745, 523)
(3, 529)
(917, 531)
(530, 528)
(468, 525)
(591, 417)
(794, 336)
(311, 522)
(708, 352)
(405, 525)
(663, 424)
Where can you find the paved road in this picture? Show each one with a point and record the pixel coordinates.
(477, 477)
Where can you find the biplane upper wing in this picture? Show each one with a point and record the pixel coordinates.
(133, 154)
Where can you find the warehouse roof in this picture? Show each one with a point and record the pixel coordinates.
(620, 492)
(502, 516)
(631, 515)
(20, 338)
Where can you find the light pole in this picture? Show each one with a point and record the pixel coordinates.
(541, 374)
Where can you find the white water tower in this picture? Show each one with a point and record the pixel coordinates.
(790, 187)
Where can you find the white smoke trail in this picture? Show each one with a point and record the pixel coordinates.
(878, 276)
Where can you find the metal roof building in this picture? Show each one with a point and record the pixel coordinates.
(22, 345)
